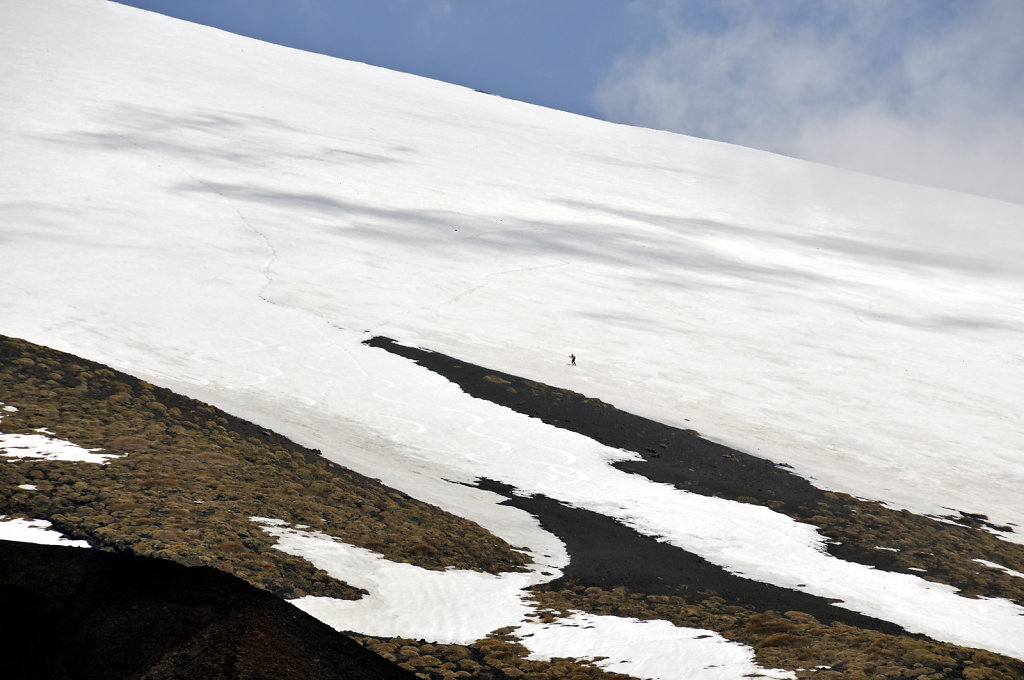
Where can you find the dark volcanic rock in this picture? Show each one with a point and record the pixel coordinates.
(85, 614)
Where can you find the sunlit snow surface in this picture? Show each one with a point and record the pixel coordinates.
(45, 446)
(35, 531)
(644, 649)
(232, 219)
(445, 606)
(999, 567)
(406, 600)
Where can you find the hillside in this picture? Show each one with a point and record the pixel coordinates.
(187, 481)
(224, 232)
(86, 614)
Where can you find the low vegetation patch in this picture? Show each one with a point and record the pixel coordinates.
(497, 657)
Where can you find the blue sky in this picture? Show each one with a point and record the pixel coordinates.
(928, 91)
(549, 53)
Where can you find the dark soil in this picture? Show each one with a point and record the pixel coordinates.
(83, 614)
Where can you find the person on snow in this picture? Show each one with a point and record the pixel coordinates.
(572, 359)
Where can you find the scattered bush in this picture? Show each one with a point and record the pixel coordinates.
(783, 640)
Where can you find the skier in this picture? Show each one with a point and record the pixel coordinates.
(572, 359)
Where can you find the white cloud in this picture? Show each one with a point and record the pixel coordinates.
(441, 9)
(921, 91)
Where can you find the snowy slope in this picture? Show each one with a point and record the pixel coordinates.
(231, 219)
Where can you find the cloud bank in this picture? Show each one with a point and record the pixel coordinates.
(930, 92)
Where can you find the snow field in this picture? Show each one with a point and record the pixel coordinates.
(232, 220)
